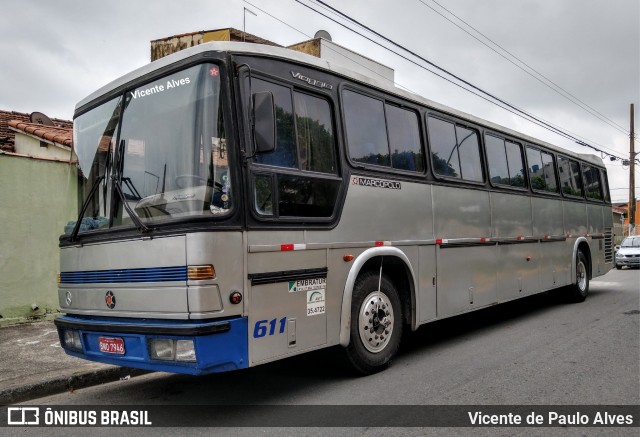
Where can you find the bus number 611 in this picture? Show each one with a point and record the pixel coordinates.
(260, 328)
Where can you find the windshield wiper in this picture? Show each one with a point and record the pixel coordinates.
(85, 205)
(134, 217)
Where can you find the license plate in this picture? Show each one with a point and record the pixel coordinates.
(111, 345)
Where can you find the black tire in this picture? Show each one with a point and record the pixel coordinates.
(618, 267)
(578, 292)
(371, 350)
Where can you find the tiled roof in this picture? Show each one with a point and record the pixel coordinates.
(59, 135)
(7, 136)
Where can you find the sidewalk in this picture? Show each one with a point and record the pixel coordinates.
(33, 365)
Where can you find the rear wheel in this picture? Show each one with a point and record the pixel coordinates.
(376, 324)
(578, 291)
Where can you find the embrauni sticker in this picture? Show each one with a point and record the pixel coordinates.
(307, 285)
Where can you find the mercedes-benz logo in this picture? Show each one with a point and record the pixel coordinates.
(68, 299)
(110, 300)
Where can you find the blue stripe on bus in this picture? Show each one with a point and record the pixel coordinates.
(153, 274)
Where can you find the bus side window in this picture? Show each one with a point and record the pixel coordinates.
(570, 179)
(366, 131)
(542, 170)
(592, 184)
(506, 166)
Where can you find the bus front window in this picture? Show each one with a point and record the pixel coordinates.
(164, 143)
(172, 148)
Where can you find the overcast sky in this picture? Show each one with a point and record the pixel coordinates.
(54, 53)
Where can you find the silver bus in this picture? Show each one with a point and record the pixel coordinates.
(239, 204)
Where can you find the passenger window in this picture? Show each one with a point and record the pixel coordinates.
(404, 139)
(365, 126)
(497, 158)
(505, 161)
(444, 156)
(285, 154)
(516, 165)
(542, 173)
(455, 150)
(570, 179)
(592, 186)
(379, 133)
(315, 134)
(469, 150)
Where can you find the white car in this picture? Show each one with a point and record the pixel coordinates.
(629, 253)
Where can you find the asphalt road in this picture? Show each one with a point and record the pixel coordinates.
(535, 351)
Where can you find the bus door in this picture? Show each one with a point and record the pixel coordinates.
(297, 183)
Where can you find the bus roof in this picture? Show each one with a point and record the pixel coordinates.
(295, 56)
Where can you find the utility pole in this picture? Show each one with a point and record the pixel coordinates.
(632, 176)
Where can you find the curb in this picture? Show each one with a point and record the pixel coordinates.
(57, 382)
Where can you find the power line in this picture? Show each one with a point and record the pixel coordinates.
(519, 112)
(547, 82)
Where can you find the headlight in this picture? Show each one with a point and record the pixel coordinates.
(167, 349)
(72, 340)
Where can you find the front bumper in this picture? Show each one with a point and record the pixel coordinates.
(627, 261)
(220, 345)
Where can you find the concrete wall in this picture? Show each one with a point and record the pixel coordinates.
(37, 198)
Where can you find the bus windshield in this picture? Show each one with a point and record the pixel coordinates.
(157, 152)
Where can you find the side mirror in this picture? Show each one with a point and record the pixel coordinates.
(264, 122)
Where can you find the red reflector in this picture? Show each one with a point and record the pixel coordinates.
(484, 240)
(439, 242)
(379, 243)
(285, 247)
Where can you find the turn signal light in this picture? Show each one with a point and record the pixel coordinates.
(200, 273)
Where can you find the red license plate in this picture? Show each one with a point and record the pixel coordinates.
(111, 345)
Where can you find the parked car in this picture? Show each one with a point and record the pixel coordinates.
(629, 253)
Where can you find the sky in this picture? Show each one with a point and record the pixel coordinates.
(55, 53)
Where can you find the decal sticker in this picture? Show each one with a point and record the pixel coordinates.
(213, 72)
(110, 300)
(310, 81)
(307, 285)
(377, 183)
(262, 328)
(315, 302)
(159, 88)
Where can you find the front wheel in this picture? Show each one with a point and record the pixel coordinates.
(376, 324)
(578, 291)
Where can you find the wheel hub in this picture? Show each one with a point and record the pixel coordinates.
(375, 321)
